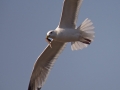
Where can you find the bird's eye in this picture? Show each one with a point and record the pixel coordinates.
(50, 32)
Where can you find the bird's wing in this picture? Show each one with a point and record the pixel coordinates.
(43, 65)
(70, 13)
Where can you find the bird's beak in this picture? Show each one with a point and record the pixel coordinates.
(48, 40)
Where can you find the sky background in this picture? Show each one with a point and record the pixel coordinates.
(23, 28)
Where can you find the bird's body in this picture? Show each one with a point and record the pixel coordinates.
(66, 34)
(66, 31)
(82, 35)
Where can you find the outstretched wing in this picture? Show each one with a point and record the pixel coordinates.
(43, 65)
(47, 58)
(70, 13)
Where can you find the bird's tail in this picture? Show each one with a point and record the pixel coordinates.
(86, 35)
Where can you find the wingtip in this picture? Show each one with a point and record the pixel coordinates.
(31, 87)
(39, 88)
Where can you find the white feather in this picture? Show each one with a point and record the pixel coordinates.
(86, 31)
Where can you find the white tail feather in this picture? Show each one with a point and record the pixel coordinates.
(87, 35)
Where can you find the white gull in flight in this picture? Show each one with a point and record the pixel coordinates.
(80, 37)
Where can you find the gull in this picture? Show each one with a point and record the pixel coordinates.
(80, 37)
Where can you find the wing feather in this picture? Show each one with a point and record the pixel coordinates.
(70, 13)
(44, 63)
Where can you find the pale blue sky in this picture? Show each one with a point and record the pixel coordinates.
(23, 28)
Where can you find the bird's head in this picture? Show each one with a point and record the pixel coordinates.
(50, 35)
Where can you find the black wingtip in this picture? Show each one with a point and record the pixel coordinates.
(39, 88)
(30, 87)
